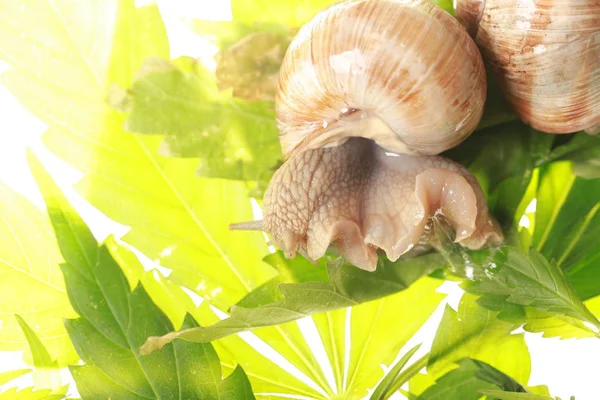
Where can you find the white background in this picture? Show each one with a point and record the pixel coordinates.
(568, 367)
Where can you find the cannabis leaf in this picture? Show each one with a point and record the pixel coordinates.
(114, 322)
(468, 380)
(347, 286)
(235, 139)
(29, 258)
(176, 219)
(530, 280)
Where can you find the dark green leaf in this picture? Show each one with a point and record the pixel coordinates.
(115, 322)
(530, 281)
(504, 167)
(583, 151)
(382, 391)
(347, 286)
(500, 395)
(465, 382)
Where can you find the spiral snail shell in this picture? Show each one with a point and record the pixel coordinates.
(362, 79)
(403, 73)
(546, 54)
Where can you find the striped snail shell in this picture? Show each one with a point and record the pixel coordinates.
(403, 73)
(364, 79)
(547, 56)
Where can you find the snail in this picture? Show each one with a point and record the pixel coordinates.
(546, 55)
(369, 92)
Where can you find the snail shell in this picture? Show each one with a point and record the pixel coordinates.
(403, 73)
(361, 78)
(547, 56)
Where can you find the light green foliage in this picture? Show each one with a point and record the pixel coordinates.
(234, 139)
(115, 321)
(8, 376)
(30, 394)
(500, 395)
(176, 218)
(468, 380)
(347, 286)
(567, 225)
(384, 388)
(176, 152)
(371, 344)
(29, 258)
(474, 332)
(46, 373)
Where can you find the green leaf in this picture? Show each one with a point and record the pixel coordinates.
(30, 394)
(567, 225)
(347, 286)
(476, 333)
(176, 219)
(584, 152)
(467, 381)
(29, 261)
(500, 395)
(8, 376)
(504, 167)
(354, 340)
(382, 391)
(530, 280)
(114, 323)
(235, 139)
(46, 373)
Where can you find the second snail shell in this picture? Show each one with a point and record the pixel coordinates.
(546, 55)
(403, 73)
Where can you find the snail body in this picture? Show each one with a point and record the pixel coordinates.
(362, 80)
(546, 55)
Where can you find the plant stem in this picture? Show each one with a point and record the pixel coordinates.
(408, 373)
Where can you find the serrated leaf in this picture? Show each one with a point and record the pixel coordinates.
(114, 322)
(501, 395)
(368, 329)
(46, 374)
(567, 225)
(176, 218)
(531, 281)
(29, 260)
(235, 139)
(381, 391)
(30, 394)
(467, 381)
(476, 333)
(347, 286)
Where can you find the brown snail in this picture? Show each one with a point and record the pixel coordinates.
(546, 55)
(362, 79)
